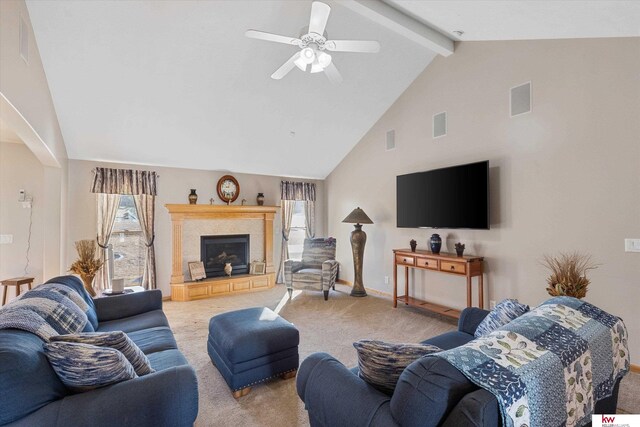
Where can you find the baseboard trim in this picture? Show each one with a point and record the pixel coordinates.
(635, 368)
(166, 298)
(372, 291)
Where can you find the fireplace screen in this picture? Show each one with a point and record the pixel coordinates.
(216, 251)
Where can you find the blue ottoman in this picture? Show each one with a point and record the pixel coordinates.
(252, 345)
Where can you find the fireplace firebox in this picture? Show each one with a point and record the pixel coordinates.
(216, 251)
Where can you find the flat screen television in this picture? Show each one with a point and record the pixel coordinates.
(453, 197)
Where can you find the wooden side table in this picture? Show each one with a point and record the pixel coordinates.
(17, 282)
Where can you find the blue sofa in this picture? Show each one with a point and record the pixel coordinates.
(430, 392)
(32, 394)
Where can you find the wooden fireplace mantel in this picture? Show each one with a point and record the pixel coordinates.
(181, 212)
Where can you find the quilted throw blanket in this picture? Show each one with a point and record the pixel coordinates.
(47, 310)
(549, 366)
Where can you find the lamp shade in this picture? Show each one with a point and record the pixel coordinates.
(357, 216)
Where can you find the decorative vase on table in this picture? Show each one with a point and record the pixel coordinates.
(459, 249)
(413, 245)
(193, 197)
(436, 243)
(228, 268)
(260, 199)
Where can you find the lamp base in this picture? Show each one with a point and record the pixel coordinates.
(358, 240)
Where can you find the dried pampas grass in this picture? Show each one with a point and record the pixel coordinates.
(87, 265)
(568, 274)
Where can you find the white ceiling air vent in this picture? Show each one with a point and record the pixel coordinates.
(23, 47)
(440, 124)
(520, 99)
(391, 140)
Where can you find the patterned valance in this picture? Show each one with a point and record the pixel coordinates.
(124, 181)
(290, 190)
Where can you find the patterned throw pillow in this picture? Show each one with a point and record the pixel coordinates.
(504, 312)
(117, 340)
(380, 363)
(83, 367)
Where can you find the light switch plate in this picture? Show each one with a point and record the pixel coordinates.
(6, 239)
(632, 245)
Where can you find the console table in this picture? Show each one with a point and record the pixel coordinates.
(465, 266)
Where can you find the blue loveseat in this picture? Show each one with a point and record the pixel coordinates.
(32, 394)
(430, 392)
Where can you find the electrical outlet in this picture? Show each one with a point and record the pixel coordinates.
(492, 304)
(386, 280)
(5, 239)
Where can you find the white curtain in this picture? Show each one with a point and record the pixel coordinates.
(310, 218)
(287, 214)
(107, 209)
(145, 205)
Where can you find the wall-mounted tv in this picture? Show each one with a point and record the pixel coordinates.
(453, 197)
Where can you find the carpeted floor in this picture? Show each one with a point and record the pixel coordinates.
(330, 326)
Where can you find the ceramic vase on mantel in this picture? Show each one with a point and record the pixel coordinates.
(228, 268)
(193, 197)
(260, 199)
(436, 243)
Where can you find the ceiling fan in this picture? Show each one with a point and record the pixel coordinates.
(313, 46)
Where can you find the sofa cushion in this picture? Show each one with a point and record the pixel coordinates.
(380, 363)
(75, 283)
(449, 340)
(427, 391)
(27, 380)
(155, 339)
(83, 367)
(167, 359)
(504, 312)
(117, 340)
(149, 319)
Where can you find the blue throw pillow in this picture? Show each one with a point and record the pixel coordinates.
(380, 363)
(75, 283)
(504, 312)
(83, 367)
(117, 340)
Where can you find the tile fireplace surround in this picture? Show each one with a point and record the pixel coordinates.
(189, 222)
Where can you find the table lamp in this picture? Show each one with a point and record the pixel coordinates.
(358, 240)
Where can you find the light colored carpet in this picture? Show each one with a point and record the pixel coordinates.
(330, 326)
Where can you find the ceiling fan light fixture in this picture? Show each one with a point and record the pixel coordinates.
(307, 55)
(324, 59)
(301, 63)
(316, 67)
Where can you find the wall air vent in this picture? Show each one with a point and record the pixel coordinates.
(23, 47)
(391, 140)
(520, 99)
(440, 125)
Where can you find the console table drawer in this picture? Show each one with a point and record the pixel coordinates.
(427, 263)
(405, 260)
(453, 267)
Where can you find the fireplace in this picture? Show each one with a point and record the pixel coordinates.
(215, 251)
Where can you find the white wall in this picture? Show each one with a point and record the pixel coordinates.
(173, 187)
(27, 109)
(564, 177)
(19, 169)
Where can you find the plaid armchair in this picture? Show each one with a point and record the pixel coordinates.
(317, 270)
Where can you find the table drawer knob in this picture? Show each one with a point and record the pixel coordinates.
(453, 267)
(404, 260)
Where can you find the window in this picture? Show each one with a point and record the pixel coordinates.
(298, 231)
(128, 245)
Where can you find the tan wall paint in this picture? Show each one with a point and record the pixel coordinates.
(173, 187)
(564, 177)
(19, 169)
(24, 84)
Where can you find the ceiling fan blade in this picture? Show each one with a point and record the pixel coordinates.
(333, 74)
(363, 46)
(286, 67)
(319, 16)
(261, 35)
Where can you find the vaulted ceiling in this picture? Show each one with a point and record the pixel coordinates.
(176, 83)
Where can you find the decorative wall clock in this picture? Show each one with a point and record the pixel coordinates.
(228, 189)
